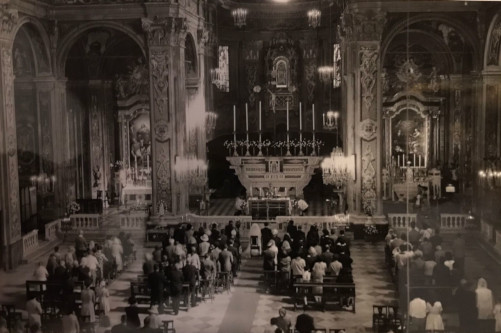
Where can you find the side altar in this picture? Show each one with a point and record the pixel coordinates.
(274, 176)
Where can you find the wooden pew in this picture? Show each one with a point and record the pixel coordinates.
(331, 292)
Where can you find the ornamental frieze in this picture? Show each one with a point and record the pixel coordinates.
(368, 70)
(159, 67)
(363, 26)
(163, 31)
(9, 19)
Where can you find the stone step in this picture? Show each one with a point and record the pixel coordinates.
(44, 249)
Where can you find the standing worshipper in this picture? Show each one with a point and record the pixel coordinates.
(116, 253)
(434, 320)
(459, 251)
(266, 235)
(190, 275)
(304, 323)
(497, 316)
(485, 302)
(466, 307)
(175, 278)
(104, 298)
(298, 265)
(203, 247)
(156, 283)
(88, 300)
(225, 259)
(417, 314)
(81, 245)
(317, 275)
(34, 310)
(41, 273)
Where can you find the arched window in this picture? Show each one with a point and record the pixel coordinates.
(190, 57)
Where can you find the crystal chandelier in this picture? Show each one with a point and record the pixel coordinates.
(43, 182)
(215, 76)
(338, 169)
(210, 122)
(239, 17)
(190, 171)
(330, 120)
(491, 174)
(325, 73)
(314, 17)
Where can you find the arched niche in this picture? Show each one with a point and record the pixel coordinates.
(31, 64)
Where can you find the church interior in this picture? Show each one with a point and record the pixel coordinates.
(369, 129)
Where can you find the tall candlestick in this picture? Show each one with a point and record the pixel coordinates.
(300, 118)
(419, 159)
(414, 164)
(246, 117)
(287, 116)
(260, 116)
(323, 118)
(398, 159)
(300, 130)
(247, 129)
(313, 118)
(235, 130)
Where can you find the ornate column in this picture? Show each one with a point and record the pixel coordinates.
(10, 222)
(161, 33)
(362, 30)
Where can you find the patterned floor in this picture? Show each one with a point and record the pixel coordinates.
(373, 286)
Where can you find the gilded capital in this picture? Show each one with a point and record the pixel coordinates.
(367, 25)
(164, 30)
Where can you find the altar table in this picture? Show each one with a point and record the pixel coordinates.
(269, 208)
(131, 194)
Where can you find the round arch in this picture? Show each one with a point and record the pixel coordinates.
(39, 28)
(468, 36)
(491, 34)
(67, 42)
(191, 56)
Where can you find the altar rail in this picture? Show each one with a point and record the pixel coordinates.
(198, 221)
(133, 221)
(401, 221)
(85, 221)
(51, 229)
(453, 222)
(30, 242)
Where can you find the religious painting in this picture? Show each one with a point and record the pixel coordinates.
(140, 141)
(409, 133)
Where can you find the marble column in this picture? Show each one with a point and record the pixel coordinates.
(162, 35)
(361, 38)
(10, 222)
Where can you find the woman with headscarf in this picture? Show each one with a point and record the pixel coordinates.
(485, 302)
(116, 252)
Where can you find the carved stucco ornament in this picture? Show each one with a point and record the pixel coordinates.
(368, 129)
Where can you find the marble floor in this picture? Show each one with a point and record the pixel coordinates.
(247, 308)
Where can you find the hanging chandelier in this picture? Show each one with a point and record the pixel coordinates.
(491, 173)
(314, 18)
(325, 73)
(217, 77)
(338, 169)
(190, 171)
(330, 120)
(239, 17)
(210, 122)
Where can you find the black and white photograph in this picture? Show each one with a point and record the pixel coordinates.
(250, 166)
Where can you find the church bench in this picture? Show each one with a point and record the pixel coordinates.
(142, 294)
(50, 289)
(331, 292)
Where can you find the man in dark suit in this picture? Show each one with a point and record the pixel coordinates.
(190, 275)
(266, 235)
(466, 307)
(81, 245)
(236, 256)
(156, 283)
(176, 286)
(132, 313)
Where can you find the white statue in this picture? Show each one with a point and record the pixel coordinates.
(161, 209)
(409, 176)
(436, 180)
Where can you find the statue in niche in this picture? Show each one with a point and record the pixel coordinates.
(97, 176)
(434, 84)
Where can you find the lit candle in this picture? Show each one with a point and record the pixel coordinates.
(398, 157)
(260, 116)
(419, 160)
(414, 164)
(323, 118)
(300, 118)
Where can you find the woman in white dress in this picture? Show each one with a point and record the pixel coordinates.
(116, 252)
(317, 275)
(434, 320)
(34, 310)
(103, 295)
(88, 300)
(69, 322)
(497, 315)
(485, 301)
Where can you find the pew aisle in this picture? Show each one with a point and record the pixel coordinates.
(373, 285)
(205, 317)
